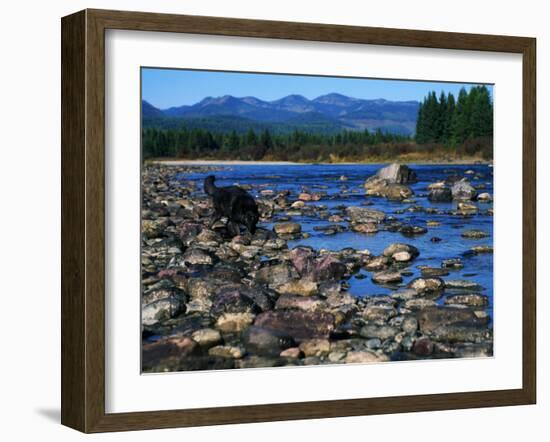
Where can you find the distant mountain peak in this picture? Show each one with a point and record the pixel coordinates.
(333, 110)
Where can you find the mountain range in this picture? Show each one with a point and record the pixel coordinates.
(327, 113)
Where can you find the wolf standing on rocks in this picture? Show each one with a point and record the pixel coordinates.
(234, 203)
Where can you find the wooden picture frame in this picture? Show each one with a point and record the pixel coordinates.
(83, 219)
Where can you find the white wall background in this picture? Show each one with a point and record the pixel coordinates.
(30, 215)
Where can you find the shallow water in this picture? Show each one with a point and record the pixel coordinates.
(326, 178)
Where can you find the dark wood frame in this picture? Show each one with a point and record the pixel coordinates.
(83, 216)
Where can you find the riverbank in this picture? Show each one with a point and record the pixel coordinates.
(347, 266)
(211, 162)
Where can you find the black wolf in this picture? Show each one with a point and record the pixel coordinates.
(234, 203)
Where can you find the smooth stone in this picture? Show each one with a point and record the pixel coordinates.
(227, 351)
(234, 322)
(386, 277)
(463, 284)
(430, 318)
(365, 357)
(287, 228)
(305, 303)
(207, 337)
(474, 234)
(315, 347)
(471, 300)
(266, 342)
(292, 353)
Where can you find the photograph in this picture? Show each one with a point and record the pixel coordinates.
(303, 220)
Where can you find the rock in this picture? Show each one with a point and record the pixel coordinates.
(471, 300)
(305, 196)
(298, 205)
(234, 322)
(397, 173)
(336, 356)
(365, 357)
(474, 234)
(197, 257)
(162, 309)
(397, 192)
(300, 287)
(467, 207)
(482, 249)
(328, 268)
(363, 215)
(297, 323)
(266, 342)
(484, 197)
(431, 223)
(427, 286)
(412, 230)
(396, 248)
(440, 195)
(404, 294)
(409, 325)
(402, 257)
(188, 233)
(315, 347)
(368, 228)
(287, 228)
(207, 337)
(292, 353)
(377, 263)
(232, 300)
(423, 347)
(154, 228)
(275, 275)
(378, 331)
(302, 259)
(387, 277)
(418, 303)
(462, 284)
(461, 333)
(452, 263)
(437, 185)
(431, 318)
(376, 186)
(167, 351)
(226, 351)
(379, 313)
(254, 361)
(463, 190)
(306, 303)
(428, 272)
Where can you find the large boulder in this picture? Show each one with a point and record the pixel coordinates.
(266, 342)
(275, 274)
(440, 195)
(297, 323)
(431, 319)
(328, 268)
(376, 186)
(397, 174)
(463, 190)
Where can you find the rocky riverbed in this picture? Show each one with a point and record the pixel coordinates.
(286, 296)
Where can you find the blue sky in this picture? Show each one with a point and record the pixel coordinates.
(165, 88)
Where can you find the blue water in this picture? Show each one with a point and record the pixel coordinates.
(325, 178)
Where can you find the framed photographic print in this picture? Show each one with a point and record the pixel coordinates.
(266, 220)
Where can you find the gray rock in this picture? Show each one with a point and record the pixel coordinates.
(397, 173)
(463, 190)
(266, 342)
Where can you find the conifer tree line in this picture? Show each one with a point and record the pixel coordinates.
(197, 143)
(451, 122)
